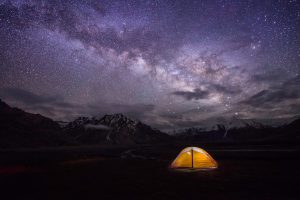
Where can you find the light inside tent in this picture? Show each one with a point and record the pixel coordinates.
(194, 158)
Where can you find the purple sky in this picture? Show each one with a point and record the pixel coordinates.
(170, 64)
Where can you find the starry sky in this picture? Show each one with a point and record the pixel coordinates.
(170, 64)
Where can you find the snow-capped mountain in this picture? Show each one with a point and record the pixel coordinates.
(244, 130)
(234, 123)
(116, 128)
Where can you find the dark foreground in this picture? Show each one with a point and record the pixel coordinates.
(143, 173)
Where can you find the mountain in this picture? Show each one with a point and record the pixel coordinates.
(22, 129)
(215, 124)
(245, 131)
(113, 129)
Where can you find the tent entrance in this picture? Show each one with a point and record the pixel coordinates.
(192, 158)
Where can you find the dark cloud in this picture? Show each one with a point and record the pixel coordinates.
(270, 76)
(171, 116)
(28, 97)
(196, 94)
(57, 108)
(186, 122)
(292, 83)
(272, 97)
(51, 106)
(223, 89)
(201, 110)
(267, 77)
(134, 110)
(236, 43)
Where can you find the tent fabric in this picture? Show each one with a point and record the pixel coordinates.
(194, 158)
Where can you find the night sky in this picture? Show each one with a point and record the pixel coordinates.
(170, 64)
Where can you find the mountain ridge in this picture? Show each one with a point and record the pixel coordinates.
(115, 128)
(249, 133)
(236, 123)
(22, 129)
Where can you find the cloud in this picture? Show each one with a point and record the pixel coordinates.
(33, 100)
(271, 97)
(196, 94)
(97, 127)
(135, 110)
(271, 76)
(28, 97)
(236, 43)
(224, 90)
(186, 123)
(57, 108)
(54, 107)
(292, 83)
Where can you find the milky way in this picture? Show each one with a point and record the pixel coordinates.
(170, 64)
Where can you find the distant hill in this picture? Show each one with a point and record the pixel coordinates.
(215, 124)
(113, 129)
(19, 128)
(245, 131)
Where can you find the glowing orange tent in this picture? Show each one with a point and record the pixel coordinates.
(194, 158)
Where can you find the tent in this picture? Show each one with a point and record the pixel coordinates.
(194, 158)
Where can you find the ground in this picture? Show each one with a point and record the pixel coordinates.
(143, 173)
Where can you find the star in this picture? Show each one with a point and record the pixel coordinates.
(154, 60)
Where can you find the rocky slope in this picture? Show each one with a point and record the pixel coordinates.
(19, 128)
